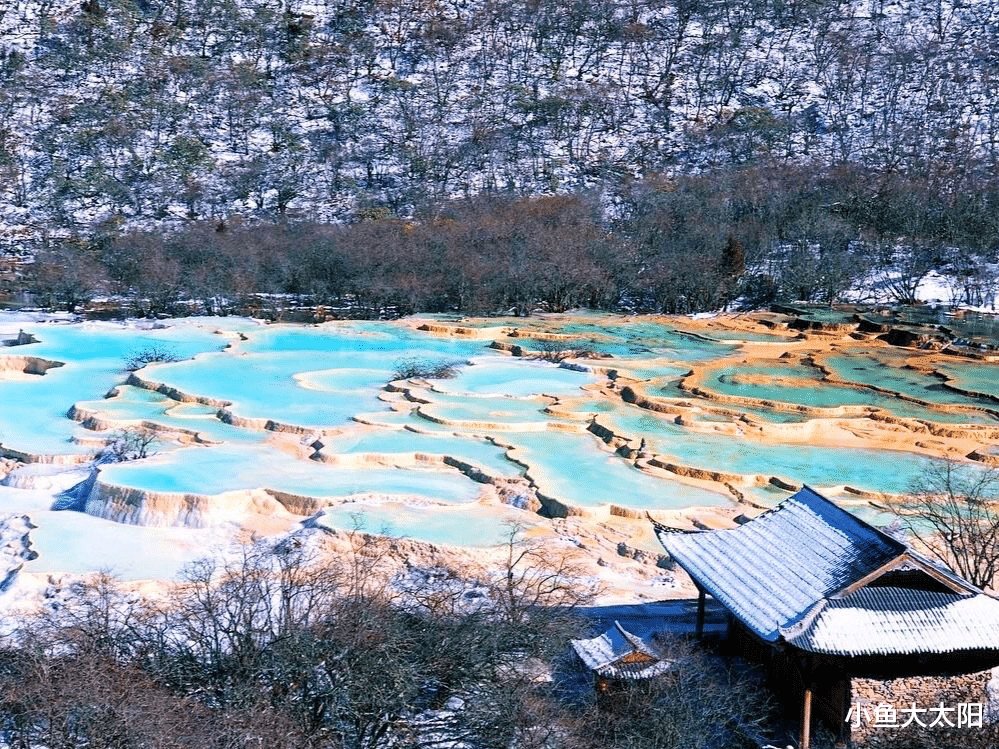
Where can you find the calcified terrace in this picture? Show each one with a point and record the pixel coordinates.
(278, 428)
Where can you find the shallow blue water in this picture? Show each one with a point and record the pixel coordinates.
(575, 468)
(478, 452)
(321, 377)
(510, 377)
(810, 390)
(214, 470)
(133, 404)
(874, 470)
(976, 377)
(33, 410)
(454, 526)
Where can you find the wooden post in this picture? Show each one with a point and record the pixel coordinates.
(806, 718)
(700, 613)
(843, 734)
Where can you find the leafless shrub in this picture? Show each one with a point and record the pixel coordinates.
(65, 276)
(557, 351)
(138, 359)
(130, 443)
(281, 646)
(552, 350)
(408, 369)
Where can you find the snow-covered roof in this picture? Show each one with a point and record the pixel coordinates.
(619, 654)
(816, 576)
(771, 571)
(898, 621)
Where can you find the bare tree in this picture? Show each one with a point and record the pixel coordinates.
(553, 350)
(149, 355)
(954, 509)
(66, 276)
(130, 443)
(282, 645)
(413, 368)
(903, 269)
(537, 580)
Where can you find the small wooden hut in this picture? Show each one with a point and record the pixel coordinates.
(819, 597)
(619, 655)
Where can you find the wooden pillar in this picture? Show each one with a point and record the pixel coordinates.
(843, 737)
(806, 718)
(700, 613)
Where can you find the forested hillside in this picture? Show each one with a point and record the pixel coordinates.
(777, 148)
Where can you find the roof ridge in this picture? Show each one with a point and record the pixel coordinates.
(636, 642)
(660, 527)
(798, 627)
(943, 569)
(846, 514)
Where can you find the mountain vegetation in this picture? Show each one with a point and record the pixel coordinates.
(282, 647)
(501, 155)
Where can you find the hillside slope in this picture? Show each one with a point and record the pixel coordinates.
(843, 145)
(151, 109)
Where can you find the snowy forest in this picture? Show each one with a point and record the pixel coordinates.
(500, 155)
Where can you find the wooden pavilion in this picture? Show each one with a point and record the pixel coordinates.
(819, 597)
(618, 655)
